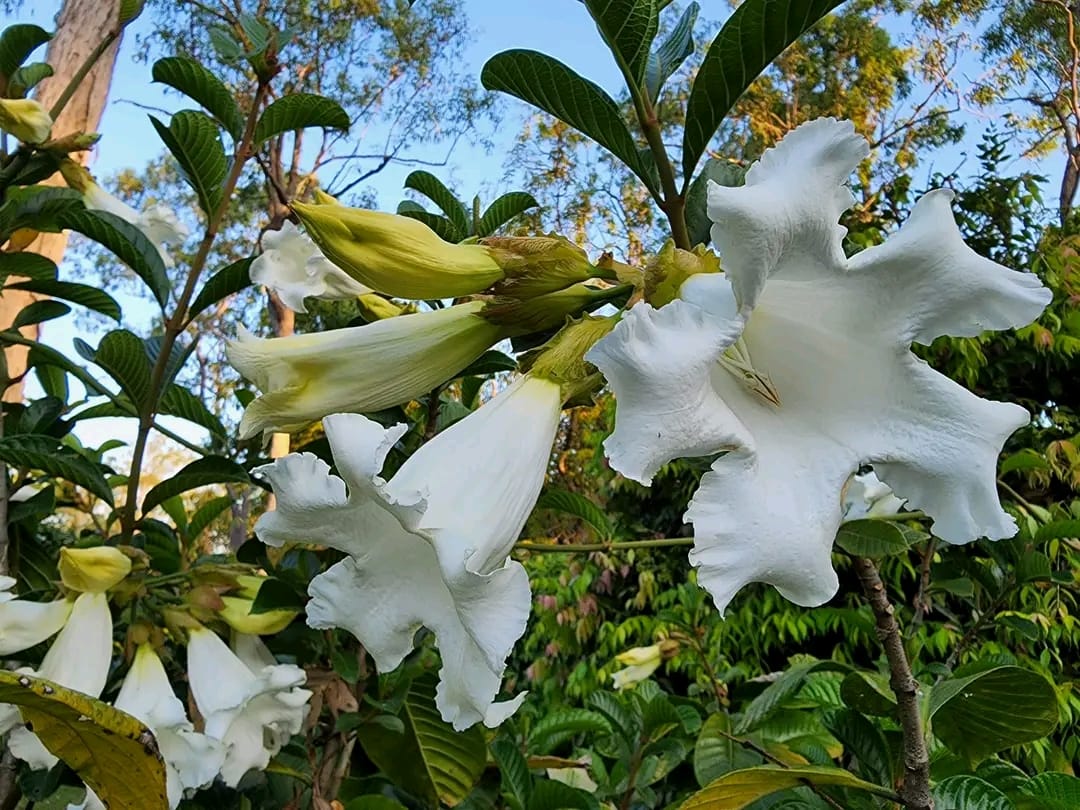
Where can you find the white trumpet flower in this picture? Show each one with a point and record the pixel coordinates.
(867, 497)
(24, 624)
(431, 546)
(160, 224)
(249, 702)
(192, 760)
(292, 266)
(79, 659)
(361, 368)
(795, 363)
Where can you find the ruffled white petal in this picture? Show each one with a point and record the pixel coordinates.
(24, 624)
(160, 224)
(658, 362)
(930, 283)
(867, 496)
(783, 221)
(364, 368)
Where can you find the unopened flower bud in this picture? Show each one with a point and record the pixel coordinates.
(26, 119)
(668, 269)
(236, 612)
(534, 265)
(93, 570)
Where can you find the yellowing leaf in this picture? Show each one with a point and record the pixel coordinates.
(737, 789)
(115, 754)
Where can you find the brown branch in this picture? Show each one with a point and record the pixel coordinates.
(915, 790)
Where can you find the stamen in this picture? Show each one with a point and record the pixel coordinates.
(736, 361)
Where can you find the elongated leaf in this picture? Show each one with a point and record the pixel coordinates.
(869, 693)
(178, 354)
(33, 266)
(579, 506)
(37, 207)
(772, 698)
(17, 42)
(193, 139)
(673, 51)
(980, 714)
(202, 86)
(45, 453)
(697, 198)
(557, 727)
(549, 794)
(871, 538)
(755, 34)
(199, 473)
(514, 772)
(863, 741)
(1053, 791)
(433, 188)
(966, 792)
(738, 789)
(628, 27)
(115, 754)
(428, 759)
(82, 294)
(123, 356)
(127, 243)
(39, 311)
(26, 78)
(716, 753)
(225, 282)
(556, 89)
(300, 111)
(207, 514)
(504, 209)
(178, 401)
(443, 227)
(1058, 530)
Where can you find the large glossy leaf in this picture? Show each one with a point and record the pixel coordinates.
(716, 753)
(562, 725)
(199, 473)
(225, 282)
(966, 792)
(17, 42)
(871, 538)
(868, 693)
(443, 227)
(202, 86)
(427, 757)
(123, 355)
(194, 140)
(1052, 791)
(32, 266)
(299, 111)
(673, 51)
(111, 751)
(39, 311)
(556, 89)
(82, 294)
(571, 503)
(178, 401)
(762, 707)
(433, 188)
(738, 789)
(863, 742)
(749, 41)
(45, 453)
(697, 198)
(628, 27)
(980, 714)
(548, 794)
(504, 209)
(28, 77)
(516, 782)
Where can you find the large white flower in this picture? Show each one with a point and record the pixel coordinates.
(293, 267)
(24, 624)
(78, 659)
(192, 760)
(796, 364)
(361, 368)
(160, 224)
(431, 546)
(248, 701)
(867, 497)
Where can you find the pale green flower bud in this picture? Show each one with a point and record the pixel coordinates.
(668, 269)
(26, 119)
(93, 570)
(535, 265)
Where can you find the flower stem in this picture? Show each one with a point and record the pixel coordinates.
(915, 790)
(84, 68)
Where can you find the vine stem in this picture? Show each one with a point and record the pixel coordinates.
(175, 324)
(84, 68)
(915, 790)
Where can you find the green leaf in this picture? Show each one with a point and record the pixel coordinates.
(202, 86)
(869, 693)
(127, 243)
(299, 111)
(432, 187)
(490, 362)
(766, 704)
(17, 42)
(871, 538)
(123, 356)
(1053, 791)
(1058, 530)
(374, 801)
(207, 514)
(45, 453)
(178, 401)
(738, 789)
(82, 294)
(548, 794)
(225, 282)
(276, 595)
(966, 792)
(443, 227)
(178, 355)
(697, 198)
(755, 34)
(555, 728)
(429, 759)
(715, 753)
(33, 266)
(571, 503)
(1033, 566)
(504, 209)
(39, 311)
(977, 715)
(555, 88)
(628, 27)
(516, 782)
(193, 139)
(26, 78)
(673, 51)
(199, 473)
(863, 741)
(111, 751)
(37, 207)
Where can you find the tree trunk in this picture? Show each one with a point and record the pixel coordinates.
(81, 25)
